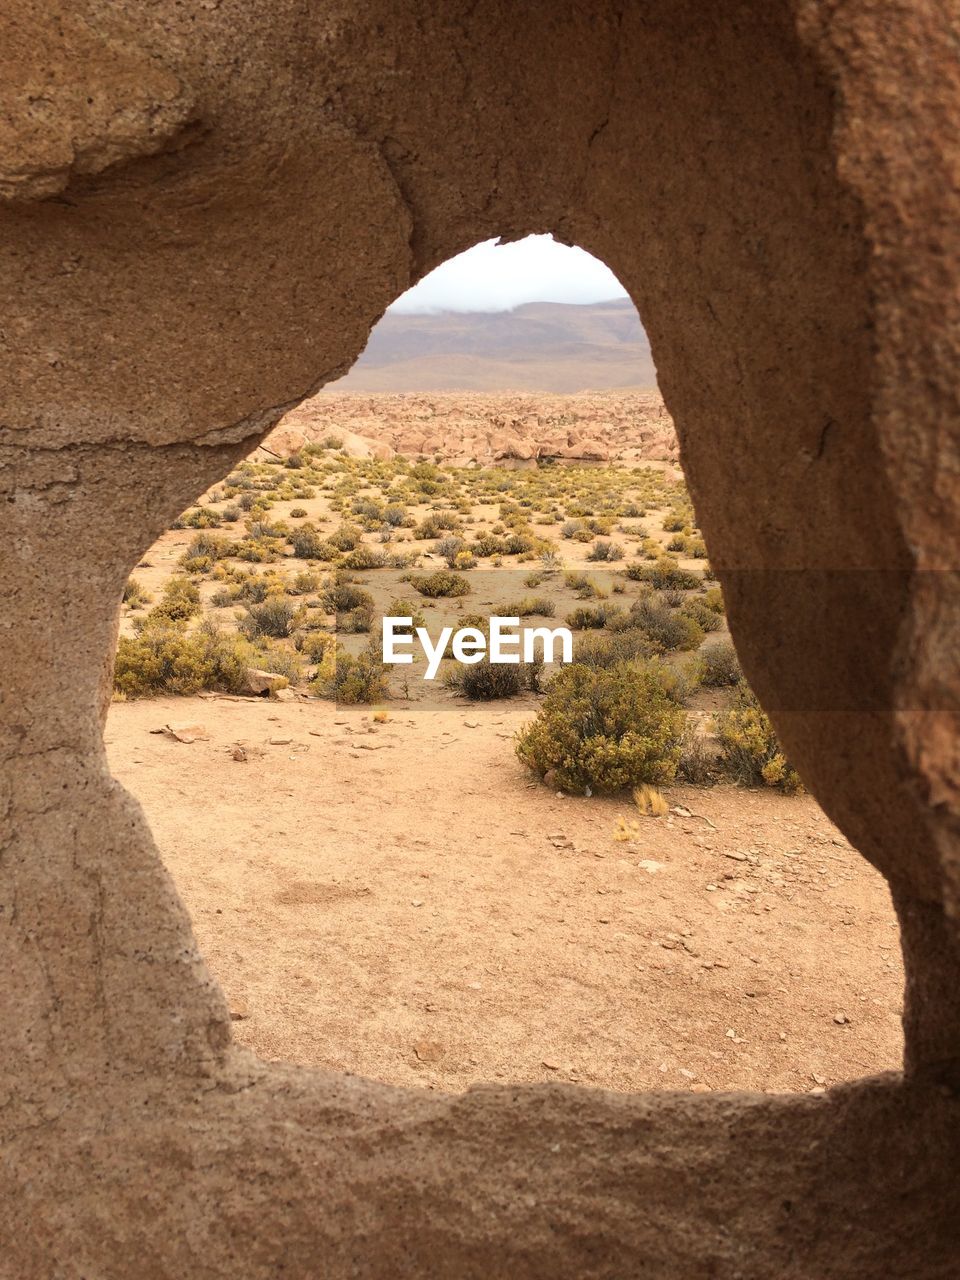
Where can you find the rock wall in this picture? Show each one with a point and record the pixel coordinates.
(204, 210)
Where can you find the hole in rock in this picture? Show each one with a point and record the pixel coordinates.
(399, 877)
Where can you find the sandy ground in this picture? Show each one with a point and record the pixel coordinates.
(404, 902)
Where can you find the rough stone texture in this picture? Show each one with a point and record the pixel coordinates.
(204, 209)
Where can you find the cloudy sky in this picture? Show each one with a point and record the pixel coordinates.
(496, 277)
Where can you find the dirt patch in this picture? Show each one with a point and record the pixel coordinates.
(425, 913)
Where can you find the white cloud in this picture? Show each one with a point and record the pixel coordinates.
(498, 277)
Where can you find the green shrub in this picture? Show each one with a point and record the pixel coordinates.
(165, 658)
(264, 531)
(488, 545)
(254, 587)
(518, 544)
(671, 630)
(355, 621)
(436, 524)
(276, 617)
(719, 665)
(602, 649)
(583, 586)
(276, 657)
(304, 583)
(441, 583)
(341, 596)
(134, 594)
(346, 538)
(707, 618)
(364, 557)
(528, 607)
(666, 575)
(196, 564)
(605, 551)
(713, 599)
(308, 545)
(179, 601)
(449, 549)
(315, 645)
(199, 518)
(584, 617)
(209, 546)
(258, 550)
(749, 750)
(351, 679)
(485, 680)
(400, 607)
(604, 729)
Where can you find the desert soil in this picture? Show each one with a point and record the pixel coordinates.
(404, 901)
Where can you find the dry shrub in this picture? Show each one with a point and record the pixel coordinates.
(749, 749)
(605, 728)
(167, 658)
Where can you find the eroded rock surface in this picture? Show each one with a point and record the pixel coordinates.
(205, 210)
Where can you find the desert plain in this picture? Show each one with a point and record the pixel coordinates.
(379, 882)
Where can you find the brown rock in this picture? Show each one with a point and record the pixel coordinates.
(204, 208)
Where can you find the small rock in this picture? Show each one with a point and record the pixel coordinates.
(184, 732)
(428, 1050)
(280, 742)
(840, 1019)
(261, 683)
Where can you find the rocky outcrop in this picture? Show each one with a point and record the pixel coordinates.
(484, 428)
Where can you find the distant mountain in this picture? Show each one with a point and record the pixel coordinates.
(542, 346)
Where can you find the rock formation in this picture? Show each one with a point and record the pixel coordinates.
(469, 427)
(205, 210)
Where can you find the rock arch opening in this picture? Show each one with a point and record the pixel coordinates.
(335, 823)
